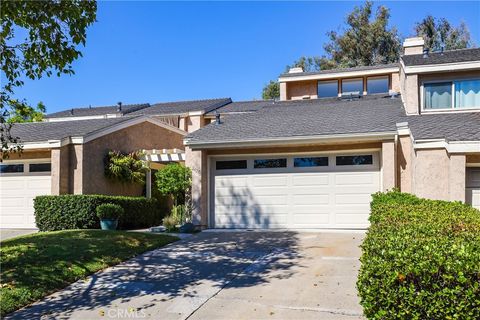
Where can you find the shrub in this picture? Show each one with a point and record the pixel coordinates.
(420, 259)
(175, 180)
(78, 212)
(170, 223)
(109, 211)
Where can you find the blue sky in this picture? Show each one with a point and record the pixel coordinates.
(161, 51)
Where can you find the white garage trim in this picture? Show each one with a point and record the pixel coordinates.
(472, 187)
(289, 180)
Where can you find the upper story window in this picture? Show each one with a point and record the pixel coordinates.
(327, 89)
(451, 94)
(352, 85)
(377, 85)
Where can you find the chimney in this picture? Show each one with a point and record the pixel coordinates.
(413, 46)
(296, 70)
(119, 108)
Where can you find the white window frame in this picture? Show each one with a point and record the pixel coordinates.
(362, 79)
(453, 108)
(26, 167)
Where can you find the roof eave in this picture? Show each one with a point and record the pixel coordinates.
(332, 138)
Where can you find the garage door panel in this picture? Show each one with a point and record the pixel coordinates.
(353, 198)
(231, 181)
(311, 199)
(351, 218)
(309, 219)
(313, 190)
(269, 181)
(311, 180)
(355, 179)
(252, 221)
(473, 197)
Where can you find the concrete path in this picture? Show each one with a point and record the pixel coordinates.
(221, 275)
(12, 233)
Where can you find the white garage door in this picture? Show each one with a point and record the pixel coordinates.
(300, 191)
(473, 187)
(20, 183)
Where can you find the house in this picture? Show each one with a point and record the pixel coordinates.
(310, 160)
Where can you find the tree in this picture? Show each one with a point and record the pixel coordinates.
(365, 42)
(37, 38)
(26, 113)
(174, 180)
(271, 90)
(440, 34)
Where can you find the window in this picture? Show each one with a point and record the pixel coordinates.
(467, 94)
(270, 163)
(352, 85)
(438, 95)
(310, 162)
(40, 167)
(377, 85)
(231, 164)
(354, 160)
(452, 94)
(327, 89)
(11, 168)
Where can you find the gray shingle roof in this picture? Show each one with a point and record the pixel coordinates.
(242, 106)
(451, 126)
(462, 55)
(180, 107)
(96, 111)
(44, 131)
(306, 118)
(361, 68)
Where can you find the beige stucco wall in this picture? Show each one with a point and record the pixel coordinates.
(388, 165)
(395, 81)
(409, 86)
(197, 162)
(405, 156)
(60, 170)
(75, 169)
(439, 175)
(283, 91)
(141, 136)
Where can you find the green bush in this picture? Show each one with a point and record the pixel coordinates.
(420, 259)
(109, 211)
(79, 212)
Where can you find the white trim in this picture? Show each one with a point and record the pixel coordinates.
(473, 165)
(195, 113)
(455, 66)
(451, 147)
(355, 137)
(100, 116)
(102, 132)
(413, 42)
(340, 74)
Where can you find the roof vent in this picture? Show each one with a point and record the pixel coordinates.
(71, 112)
(393, 94)
(296, 70)
(217, 118)
(119, 108)
(425, 53)
(350, 96)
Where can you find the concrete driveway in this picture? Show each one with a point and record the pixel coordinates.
(221, 275)
(13, 233)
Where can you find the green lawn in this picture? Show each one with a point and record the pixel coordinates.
(36, 265)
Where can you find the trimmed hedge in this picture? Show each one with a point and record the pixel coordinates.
(420, 259)
(79, 212)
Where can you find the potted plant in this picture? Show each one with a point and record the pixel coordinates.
(108, 213)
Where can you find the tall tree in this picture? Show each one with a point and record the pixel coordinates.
(367, 40)
(37, 38)
(439, 33)
(25, 113)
